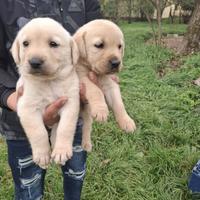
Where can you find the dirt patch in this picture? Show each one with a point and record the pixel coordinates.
(174, 63)
(173, 42)
(196, 82)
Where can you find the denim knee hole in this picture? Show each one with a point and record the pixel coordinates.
(25, 162)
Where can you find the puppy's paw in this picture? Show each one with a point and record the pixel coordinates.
(41, 157)
(100, 113)
(61, 154)
(127, 124)
(87, 145)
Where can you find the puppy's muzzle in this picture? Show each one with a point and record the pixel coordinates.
(114, 64)
(36, 63)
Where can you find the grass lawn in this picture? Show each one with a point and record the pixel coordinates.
(155, 162)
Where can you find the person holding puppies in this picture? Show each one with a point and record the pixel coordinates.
(29, 177)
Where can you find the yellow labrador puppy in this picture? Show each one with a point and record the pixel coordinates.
(45, 55)
(101, 48)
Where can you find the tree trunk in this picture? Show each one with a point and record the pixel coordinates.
(129, 11)
(142, 15)
(115, 8)
(171, 16)
(180, 15)
(159, 17)
(151, 24)
(192, 37)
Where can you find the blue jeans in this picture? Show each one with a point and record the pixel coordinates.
(194, 180)
(29, 177)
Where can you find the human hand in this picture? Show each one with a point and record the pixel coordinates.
(14, 97)
(93, 77)
(12, 101)
(50, 115)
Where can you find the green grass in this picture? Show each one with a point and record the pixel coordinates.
(156, 161)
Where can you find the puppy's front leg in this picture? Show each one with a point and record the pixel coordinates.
(62, 150)
(87, 128)
(33, 125)
(113, 96)
(96, 100)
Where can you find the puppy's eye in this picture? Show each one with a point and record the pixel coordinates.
(53, 44)
(119, 46)
(99, 46)
(25, 43)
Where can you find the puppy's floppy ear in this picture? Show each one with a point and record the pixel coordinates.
(15, 51)
(74, 52)
(81, 43)
(122, 52)
(123, 47)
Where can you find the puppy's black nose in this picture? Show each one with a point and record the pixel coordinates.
(36, 63)
(114, 63)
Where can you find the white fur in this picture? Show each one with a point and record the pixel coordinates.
(59, 79)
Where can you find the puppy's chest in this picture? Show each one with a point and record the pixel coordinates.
(50, 95)
(54, 90)
(44, 93)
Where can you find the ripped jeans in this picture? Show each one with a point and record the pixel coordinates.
(29, 178)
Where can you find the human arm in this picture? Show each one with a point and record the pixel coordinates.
(7, 82)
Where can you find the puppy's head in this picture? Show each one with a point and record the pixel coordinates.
(101, 45)
(43, 48)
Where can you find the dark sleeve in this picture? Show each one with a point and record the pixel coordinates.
(93, 10)
(6, 88)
